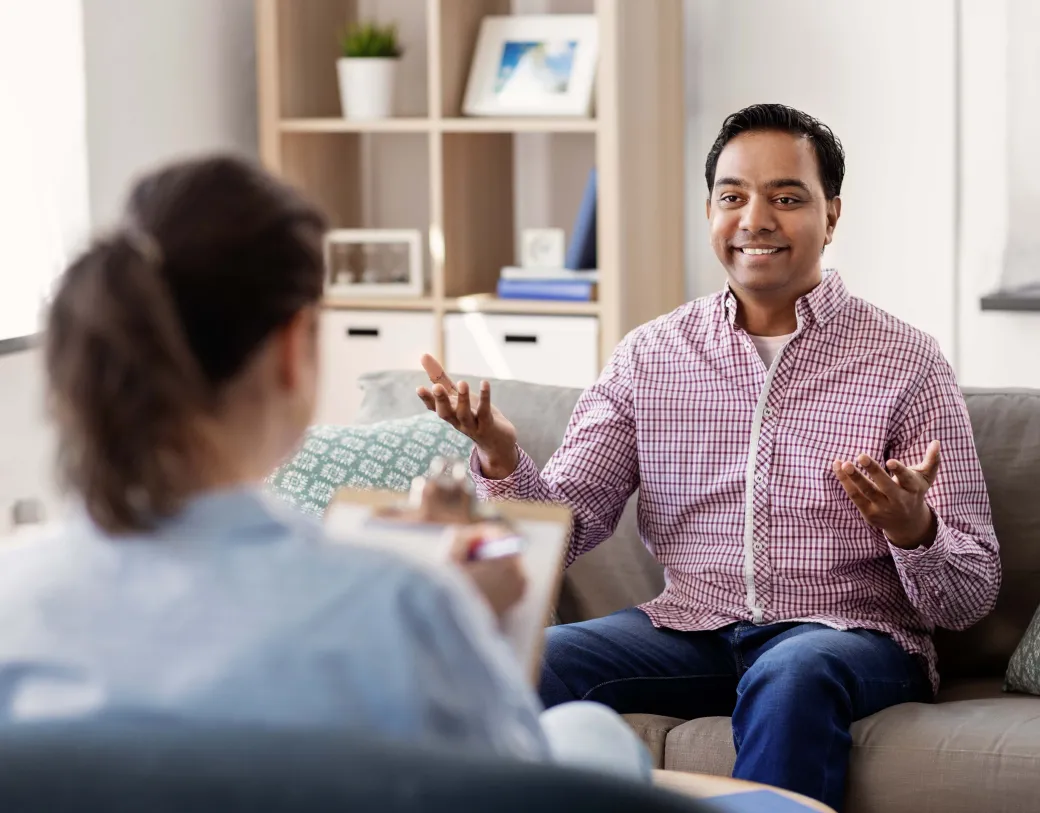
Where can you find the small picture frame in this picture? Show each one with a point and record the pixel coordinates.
(534, 65)
(374, 262)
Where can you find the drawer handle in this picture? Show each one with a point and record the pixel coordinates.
(518, 338)
(363, 331)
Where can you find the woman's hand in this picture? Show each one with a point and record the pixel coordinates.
(501, 580)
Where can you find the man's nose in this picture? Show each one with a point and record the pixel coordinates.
(757, 215)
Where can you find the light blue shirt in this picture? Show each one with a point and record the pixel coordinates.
(239, 609)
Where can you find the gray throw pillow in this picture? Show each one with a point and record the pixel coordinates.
(1023, 673)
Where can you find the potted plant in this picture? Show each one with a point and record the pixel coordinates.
(367, 70)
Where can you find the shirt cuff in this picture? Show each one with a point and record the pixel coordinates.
(926, 560)
(512, 487)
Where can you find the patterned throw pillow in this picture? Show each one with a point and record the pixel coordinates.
(387, 455)
(1023, 674)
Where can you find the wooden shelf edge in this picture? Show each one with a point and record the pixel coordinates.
(383, 303)
(488, 303)
(334, 124)
(518, 125)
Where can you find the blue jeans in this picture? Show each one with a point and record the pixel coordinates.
(793, 690)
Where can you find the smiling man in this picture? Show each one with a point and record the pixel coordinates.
(785, 438)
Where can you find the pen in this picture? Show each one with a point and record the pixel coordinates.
(483, 549)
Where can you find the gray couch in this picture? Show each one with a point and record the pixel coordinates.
(976, 749)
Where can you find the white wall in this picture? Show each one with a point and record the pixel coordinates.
(925, 202)
(997, 349)
(26, 442)
(164, 78)
(881, 74)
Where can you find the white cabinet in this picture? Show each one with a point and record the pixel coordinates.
(560, 350)
(357, 342)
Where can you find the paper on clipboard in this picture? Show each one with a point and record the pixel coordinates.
(546, 529)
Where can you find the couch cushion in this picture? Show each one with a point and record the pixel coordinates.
(386, 455)
(962, 755)
(540, 413)
(1006, 424)
(653, 731)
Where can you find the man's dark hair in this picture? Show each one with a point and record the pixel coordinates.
(829, 153)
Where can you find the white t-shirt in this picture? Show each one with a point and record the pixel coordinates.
(769, 346)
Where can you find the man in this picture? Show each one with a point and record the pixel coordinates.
(785, 439)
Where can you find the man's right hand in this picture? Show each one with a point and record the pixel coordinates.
(490, 430)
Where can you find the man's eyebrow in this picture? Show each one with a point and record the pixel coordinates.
(781, 183)
(732, 182)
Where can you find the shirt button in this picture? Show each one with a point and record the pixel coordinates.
(768, 412)
(759, 479)
(759, 547)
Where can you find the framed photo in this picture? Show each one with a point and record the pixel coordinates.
(374, 262)
(534, 65)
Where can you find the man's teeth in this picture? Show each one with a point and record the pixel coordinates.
(757, 251)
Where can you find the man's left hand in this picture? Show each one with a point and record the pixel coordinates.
(893, 500)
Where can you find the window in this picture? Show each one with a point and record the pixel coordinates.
(44, 216)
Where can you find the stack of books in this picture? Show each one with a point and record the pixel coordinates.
(577, 280)
(561, 284)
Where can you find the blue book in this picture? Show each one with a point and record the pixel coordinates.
(562, 290)
(581, 250)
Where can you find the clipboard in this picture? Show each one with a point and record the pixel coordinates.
(353, 517)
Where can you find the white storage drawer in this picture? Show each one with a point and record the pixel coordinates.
(357, 342)
(560, 350)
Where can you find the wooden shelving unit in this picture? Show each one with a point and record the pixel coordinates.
(455, 178)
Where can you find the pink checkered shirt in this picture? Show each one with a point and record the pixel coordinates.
(737, 498)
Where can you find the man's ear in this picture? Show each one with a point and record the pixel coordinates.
(707, 207)
(833, 213)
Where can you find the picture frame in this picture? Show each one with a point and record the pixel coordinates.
(373, 262)
(534, 65)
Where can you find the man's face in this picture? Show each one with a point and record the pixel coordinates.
(768, 213)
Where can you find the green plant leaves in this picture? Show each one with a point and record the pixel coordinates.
(370, 40)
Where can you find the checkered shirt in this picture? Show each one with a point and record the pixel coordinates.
(737, 497)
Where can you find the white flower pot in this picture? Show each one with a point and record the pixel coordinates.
(366, 86)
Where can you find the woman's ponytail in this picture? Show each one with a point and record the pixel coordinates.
(152, 322)
(124, 384)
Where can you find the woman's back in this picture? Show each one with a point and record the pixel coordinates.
(182, 367)
(238, 609)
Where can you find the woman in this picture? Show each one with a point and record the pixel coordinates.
(182, 365)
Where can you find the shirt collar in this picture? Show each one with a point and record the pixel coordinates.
(240, 508)
(242, 512)
(820, 305)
